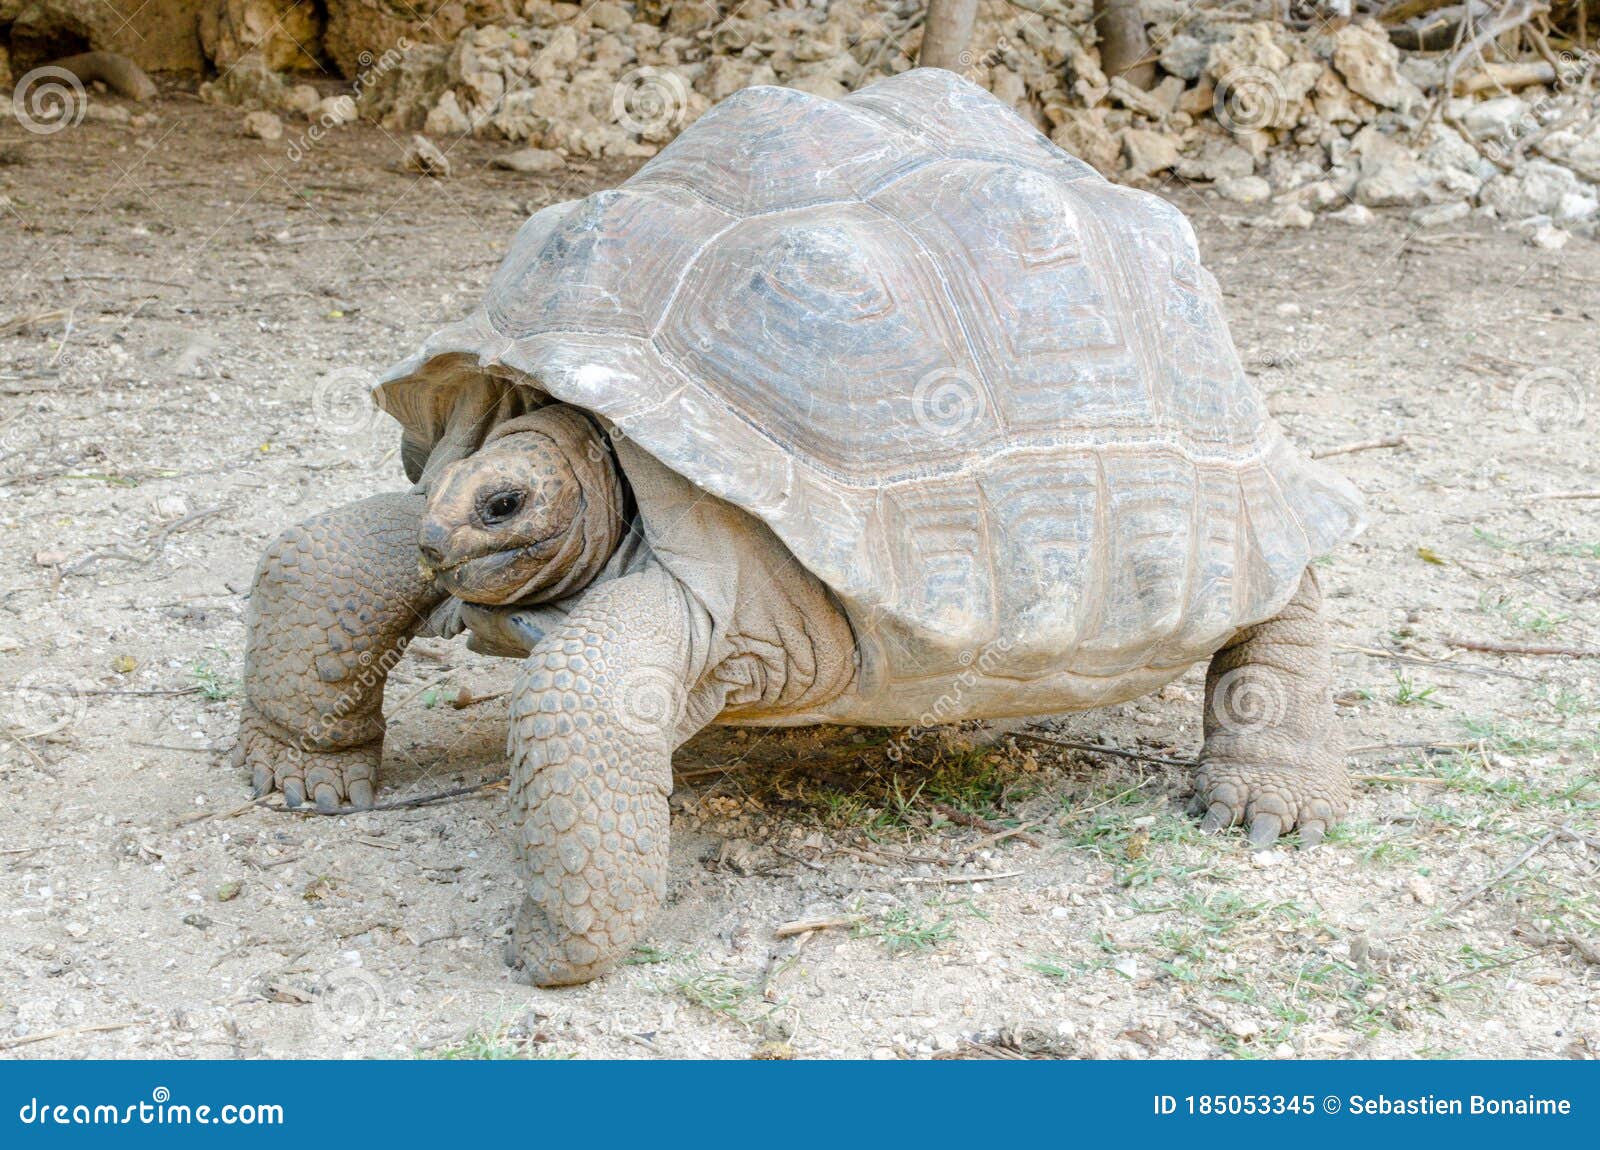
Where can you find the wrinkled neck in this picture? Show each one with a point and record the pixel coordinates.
(602, 518)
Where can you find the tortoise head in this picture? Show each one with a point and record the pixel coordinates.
(533, 515)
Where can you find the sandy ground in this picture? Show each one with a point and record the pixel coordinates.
(189, 321)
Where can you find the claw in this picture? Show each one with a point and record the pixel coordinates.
(361, 795)
(1311, 832)
(1265, 829)
(1197, 805)
(261, 780)
(294, 792)
(1220, 815)
(327, 799)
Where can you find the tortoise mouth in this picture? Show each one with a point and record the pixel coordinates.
(492, 578)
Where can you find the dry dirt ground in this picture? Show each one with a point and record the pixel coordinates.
(189, 320)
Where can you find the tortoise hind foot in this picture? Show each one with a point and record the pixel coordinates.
(1270, 762)
(277, 760)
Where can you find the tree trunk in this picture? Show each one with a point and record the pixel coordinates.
(1124, 49)
(945, 34)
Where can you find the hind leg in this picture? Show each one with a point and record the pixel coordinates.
(1270, 761)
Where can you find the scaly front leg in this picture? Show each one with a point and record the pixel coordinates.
(600, 706)
(333, 604)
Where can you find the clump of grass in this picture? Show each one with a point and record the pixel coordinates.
(1534, 620)
(214, 685)
(1060, 969)
(1408, 694)
(502, 1043)
(904, 931)
(882, 781)
(1373, 845)
(719, 993)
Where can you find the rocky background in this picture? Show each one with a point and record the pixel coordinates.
(1443, 110)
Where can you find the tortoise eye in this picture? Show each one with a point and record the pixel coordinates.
(502, 506)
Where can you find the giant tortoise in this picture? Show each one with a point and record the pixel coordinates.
(882, 410)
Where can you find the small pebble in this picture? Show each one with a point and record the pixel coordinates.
(263, 126)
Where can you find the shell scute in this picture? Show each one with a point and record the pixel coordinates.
(764, 148)
(816, 327)
(599, 264)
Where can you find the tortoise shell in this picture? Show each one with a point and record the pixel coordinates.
(986, 396)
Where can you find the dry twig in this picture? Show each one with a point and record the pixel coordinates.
(1097, 749)
(1362, 445)
(64, 1032)
(960, 879)
(807, 925)
(408, 804)
(1511, 868)
(956, 815)
(1499, 648)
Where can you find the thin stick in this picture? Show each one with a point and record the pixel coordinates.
(1001, 836)
(1139, 786)
(157, 543)
(1524, 648)
(1363, 445)
(1515, 865)
(709, 772)
(956, 815)
(1585, 840)
(961, 879)
(1437, 664)
(1425, 780)
(1564, 494)
(202, 816)
(46, 688)
(807, 925)
(66, 1032)
(1370, 748)
(407, 804)
(1096, 748)
(802, 861)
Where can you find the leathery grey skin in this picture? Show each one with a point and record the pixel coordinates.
(878, 410)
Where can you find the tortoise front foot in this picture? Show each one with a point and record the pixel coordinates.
(278, 760)
(1269, 762)
(595, 716)
(1271, 798)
